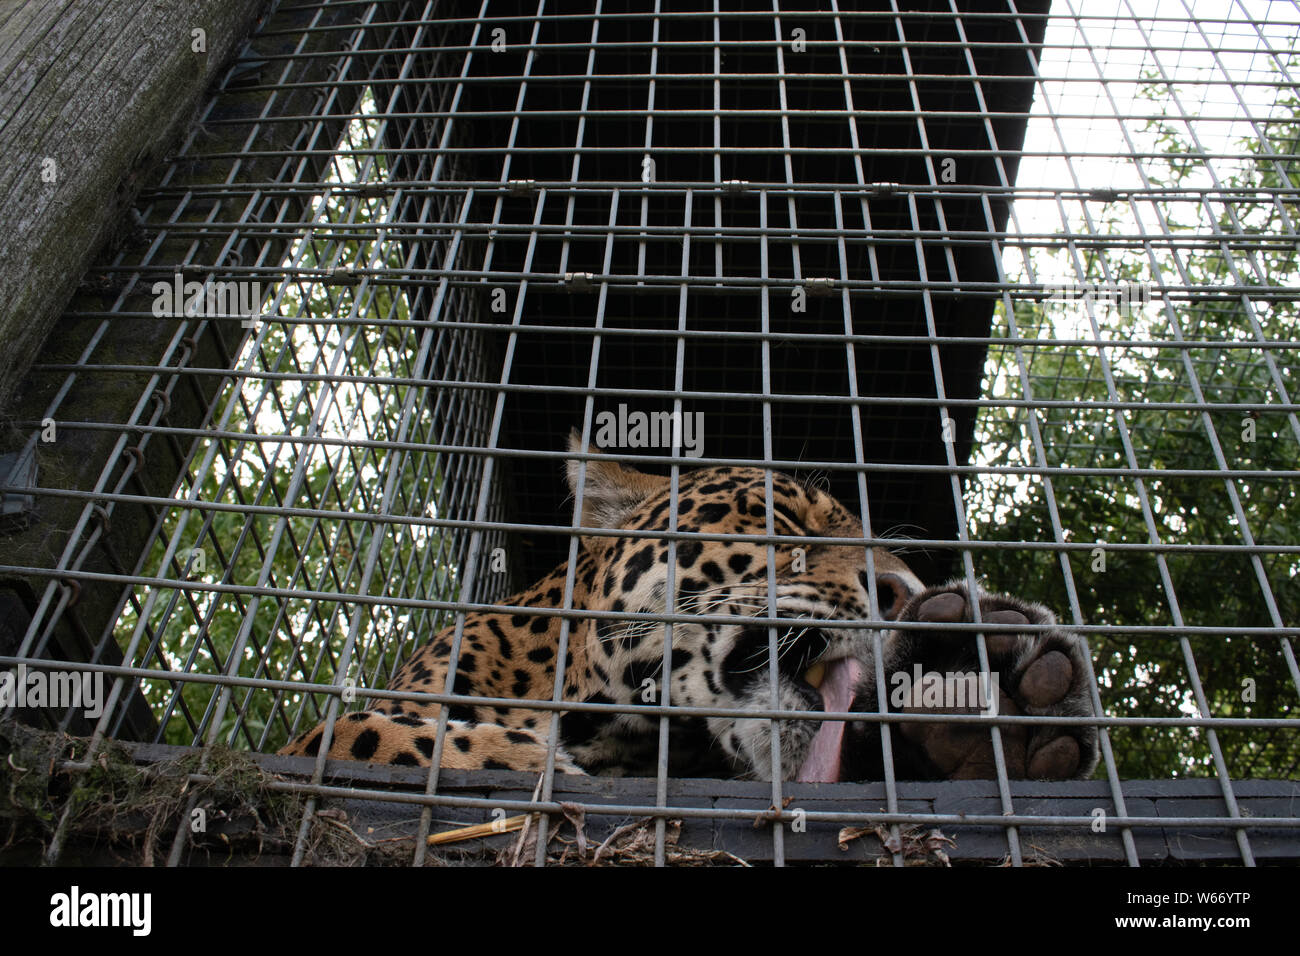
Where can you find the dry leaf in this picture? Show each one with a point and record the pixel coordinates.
(849, 834)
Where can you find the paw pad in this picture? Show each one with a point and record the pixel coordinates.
(1047, 679)
(1039, 673)
(946, 608)
(1003, 643)
(1058, 759)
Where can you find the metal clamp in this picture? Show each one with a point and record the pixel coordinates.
(578, 281)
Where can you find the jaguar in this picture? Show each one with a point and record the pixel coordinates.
(726, 590)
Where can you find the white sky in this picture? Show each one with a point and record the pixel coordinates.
(1096, 54)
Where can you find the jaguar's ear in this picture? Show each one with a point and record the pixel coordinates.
(611, 491)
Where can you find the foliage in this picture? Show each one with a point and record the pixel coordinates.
(1141, 675)
(1146, 675)
(300, 639)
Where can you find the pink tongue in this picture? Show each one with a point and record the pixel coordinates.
(822, 765)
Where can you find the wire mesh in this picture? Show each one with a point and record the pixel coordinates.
(1015, 284)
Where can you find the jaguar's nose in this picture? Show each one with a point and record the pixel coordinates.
(893, 591)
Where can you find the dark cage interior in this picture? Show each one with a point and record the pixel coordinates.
(627, 98)
(1014, 283)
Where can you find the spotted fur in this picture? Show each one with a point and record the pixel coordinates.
(511, 655)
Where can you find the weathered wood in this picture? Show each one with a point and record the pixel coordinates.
(78, 457)
(818, 843)
(381, 821)
(92, 93)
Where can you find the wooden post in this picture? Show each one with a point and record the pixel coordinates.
(42, 263)
(92, 93)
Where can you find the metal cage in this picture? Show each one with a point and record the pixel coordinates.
(1016, 284)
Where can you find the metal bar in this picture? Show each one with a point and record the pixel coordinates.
(418, 202)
